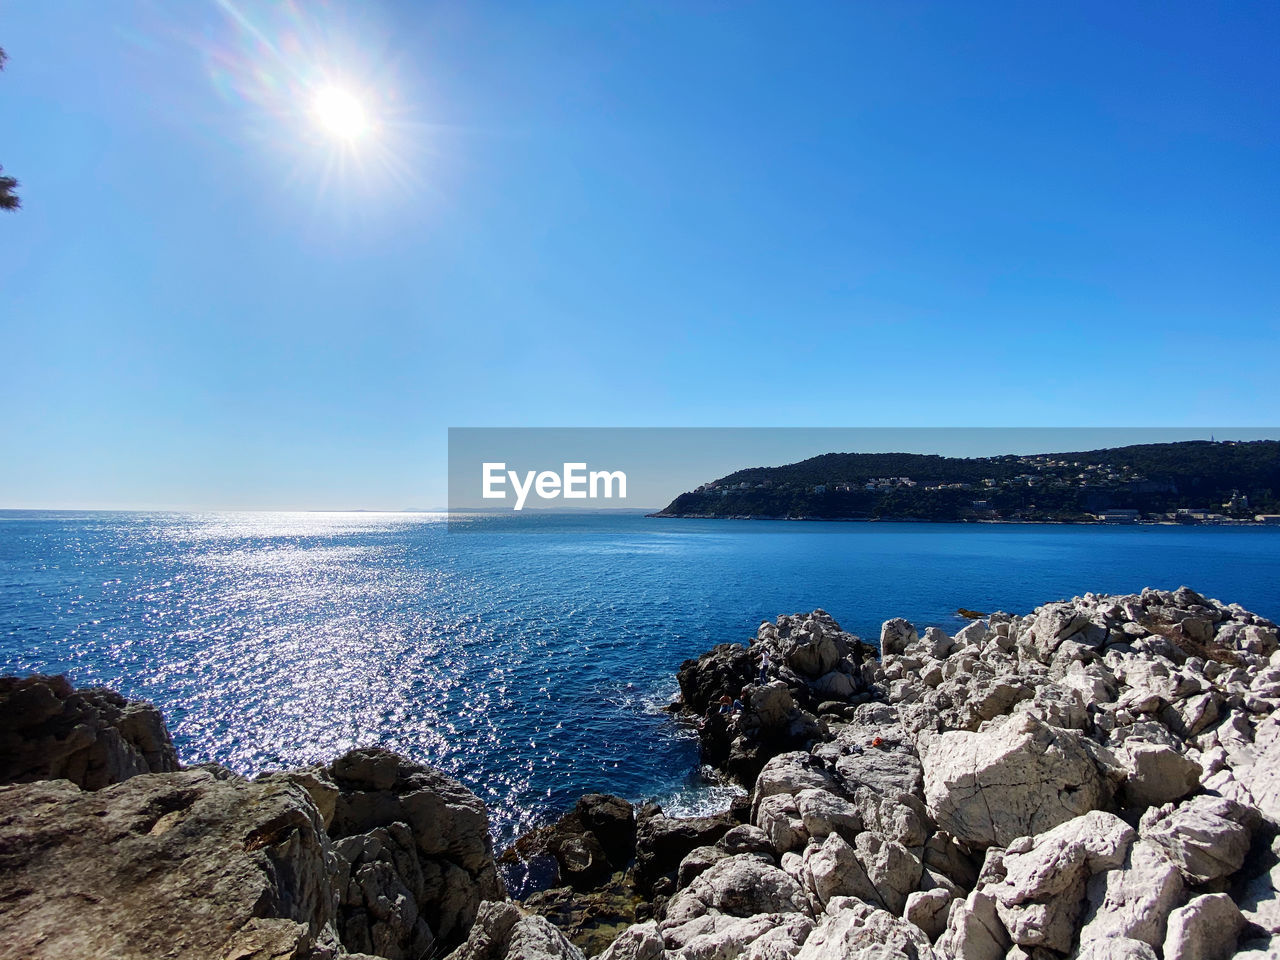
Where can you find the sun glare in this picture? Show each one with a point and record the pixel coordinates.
(340, 114)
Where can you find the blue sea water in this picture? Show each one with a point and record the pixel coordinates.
(528, 658)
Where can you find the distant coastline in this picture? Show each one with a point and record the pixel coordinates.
(1190, 483)
(1226, 522)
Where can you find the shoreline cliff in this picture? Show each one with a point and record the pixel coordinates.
(1097, 779)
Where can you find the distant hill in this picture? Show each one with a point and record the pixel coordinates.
(1202, 479)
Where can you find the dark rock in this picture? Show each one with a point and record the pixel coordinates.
(408, 830)
(92, 737)
(613, 821)
(740, 808)
(590, 919)
(722, 671)
(581, 849)
(662, 842)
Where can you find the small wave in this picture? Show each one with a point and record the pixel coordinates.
(698, 800)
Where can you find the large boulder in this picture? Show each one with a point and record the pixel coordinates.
(763, 936)
(1016, 777)
(1134, 900)
(878, 871)
(1206, 837)
(974, 930)
(1207, 928)
(502, 930)
(722, 671)
(1156, 774)
(853, 930)
(580, 850)
(196, 864)
(895, 636)
(662, 842)
(740, 886)
(93, 737)
(405, 827)
(1042, 893)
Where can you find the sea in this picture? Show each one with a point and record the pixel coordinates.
(530, 657)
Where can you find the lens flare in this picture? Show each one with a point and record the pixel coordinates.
(340, 113)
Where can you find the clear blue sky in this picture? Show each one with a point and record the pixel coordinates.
(596, 214)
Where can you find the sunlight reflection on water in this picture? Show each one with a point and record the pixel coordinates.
(532, 666)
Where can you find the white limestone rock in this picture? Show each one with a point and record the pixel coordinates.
(1207, 928)
(1016, 777)
(1041, 897)
(974, 930)
(853, 930)
(1135, 899)
(1206, 837)
(928, 910)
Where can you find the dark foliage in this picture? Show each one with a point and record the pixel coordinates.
(1150, 478)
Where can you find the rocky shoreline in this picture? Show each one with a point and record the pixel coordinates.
(1097, 779)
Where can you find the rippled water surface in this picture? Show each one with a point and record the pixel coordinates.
(530, 660)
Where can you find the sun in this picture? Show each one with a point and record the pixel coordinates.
(339, 113)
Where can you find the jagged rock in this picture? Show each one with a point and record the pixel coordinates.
(896, 635)
(92, 737)
(791, 773)
(1135, 899)
(582, 849)
(1058, 705)
(662, 842)
(1017, 777)
(195, 864)
(746, 838)
(824, 813)
(769, 707)
(452, 867)
(899, 817)
(1261, 776)
(832, 869)
(894, 871)
(943, 854)
(1207, 928)
(768, 936)
(1205, 837)
(1116, 948)
(722, 671)
(873, 869)
(639, 942)
(853, 930)
(697, 861)
(811, 644)
(1156, 774)
(974, 930)
(379, 897)
(1042, 893)
(502, 930)
(928, 910)
(318, 784)
(741, 886)
(613, 821)
(778, 816)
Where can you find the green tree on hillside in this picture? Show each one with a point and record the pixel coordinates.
(8, 199)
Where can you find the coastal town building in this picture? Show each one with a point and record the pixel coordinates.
(1119, 516)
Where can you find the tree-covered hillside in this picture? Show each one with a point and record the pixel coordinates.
(1226, 479)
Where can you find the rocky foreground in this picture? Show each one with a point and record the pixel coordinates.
(1098, 779)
